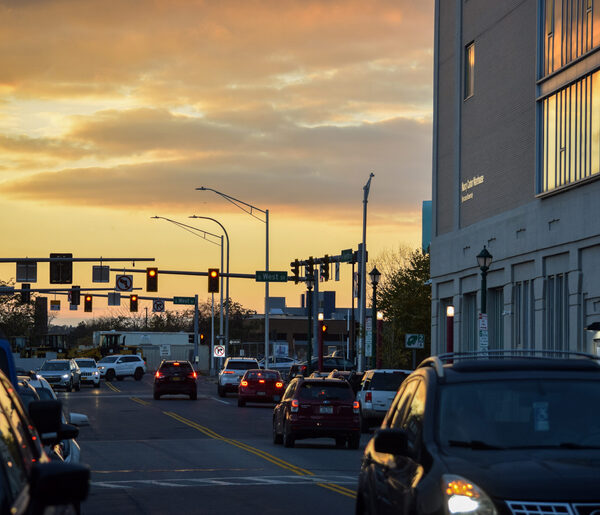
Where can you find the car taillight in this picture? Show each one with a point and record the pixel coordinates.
(176, 364)
(303, 368)
(193, 375)
(261, 381)
(278, 384)
(356, 407)
(244, 383)
(228, 371)
(368, 397)
(158, 375)
(295, 406)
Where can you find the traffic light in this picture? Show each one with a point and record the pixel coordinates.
(326, 268)
(75, 296)
(202, 340)
(25, 293)
(87, 305)
(151, 279)
(296, 270)
(213, 280)
(324, 328)
(133, 303)
(310, 267)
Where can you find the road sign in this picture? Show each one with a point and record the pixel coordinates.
(26, 272)
(414, 341)
(55, 305)
(219, 351)
(158, 305)
(100, 274)
(114, 298)
(184, 300)
(271, 276)
(124, 283)
(346, 256)
(165, 350)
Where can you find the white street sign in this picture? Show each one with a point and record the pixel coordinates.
(219, 351)
(165, 350)
(158, 305)
(124, 283)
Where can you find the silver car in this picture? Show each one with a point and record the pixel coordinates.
(233, 370)
(62, 373)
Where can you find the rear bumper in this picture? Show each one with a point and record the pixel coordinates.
(254, 397)
(175, 387)
(323, 428)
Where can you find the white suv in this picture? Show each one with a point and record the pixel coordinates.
(89, 371)
(120, 366)
(234, 369)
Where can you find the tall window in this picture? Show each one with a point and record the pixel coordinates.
(523, 321)
(469, 70)
(571, 134)
(557, 313)
(571, 28)
(495, 307)
(469, 324)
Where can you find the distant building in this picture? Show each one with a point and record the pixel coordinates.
(516, 162)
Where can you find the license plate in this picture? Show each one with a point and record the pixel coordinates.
(261, 393)
(326, 410)
(177, 379)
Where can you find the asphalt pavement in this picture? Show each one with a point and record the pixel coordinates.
(206, 456)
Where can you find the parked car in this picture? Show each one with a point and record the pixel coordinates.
(232, 372)
(329, 363)
(175, 377)
(259, 385)
(89, 371)
(120, 366)
(314, 408)
(30, 481)
(62, 373)
(507, 434)
(377, 391)
(281, 363)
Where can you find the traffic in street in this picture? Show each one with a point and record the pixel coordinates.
(206, 455)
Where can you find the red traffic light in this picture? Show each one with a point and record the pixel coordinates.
(213, 280)
(151, 279)
(87, 306)
(133, 303)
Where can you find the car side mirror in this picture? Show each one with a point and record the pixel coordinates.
(79, 419)
(391, 441)
(58, 483)
(46, 417)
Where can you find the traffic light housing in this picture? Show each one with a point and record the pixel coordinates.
(25, 293)
(310, 267)
(151, 279)
(326, 268)
(75, 296)
(202, 340)
(213, 280)
(61, 272)
(87, 304)
(133, 303)
(296, 270)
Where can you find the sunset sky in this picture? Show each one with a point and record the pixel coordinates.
(114, 112)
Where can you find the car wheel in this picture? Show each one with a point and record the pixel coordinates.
(156, 396)
(110, 374)
(241, 402)
(193, 396)
(70, 386)
(277, 438)
(138, 374)
(288, 438)
(354, 442)
(220, 391)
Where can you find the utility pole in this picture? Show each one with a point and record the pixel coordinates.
(363, 281)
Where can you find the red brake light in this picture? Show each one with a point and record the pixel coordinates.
(244, 383)
(228, 371)
(193, 375)
(261, 380)
(295, 406)
(356, 407)
(176, 364)
(158, 374)
(368, 397)
(278, 384)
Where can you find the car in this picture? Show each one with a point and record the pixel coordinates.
(260, 385)
(175, 377)
(317, 408)
(61, 373)
(120, 366)
(377, 391)
(329, 363)
(320, 374)
(281, 363)
(89, 371)
(31, 482)
(500, 432)
(232, 372)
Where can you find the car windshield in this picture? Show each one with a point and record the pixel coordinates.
(387, 381)
(109, 359)
(85, 363)
(241, 365)
(51, 366)
(263, 375)
(520, 414)
(322, 391)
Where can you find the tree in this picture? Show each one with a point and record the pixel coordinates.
(404, 297)
(16, 319)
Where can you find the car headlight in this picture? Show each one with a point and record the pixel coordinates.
(96, 373)
(464, 496)
(100, 368)
(65, 376)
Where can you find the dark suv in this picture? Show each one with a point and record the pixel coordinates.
(493, 434)
(175, 377)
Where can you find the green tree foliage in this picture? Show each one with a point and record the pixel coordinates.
(16, 319)
(404, 297)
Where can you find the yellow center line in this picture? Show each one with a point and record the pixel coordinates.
(338, 489)
(140, 401)
(112, 387)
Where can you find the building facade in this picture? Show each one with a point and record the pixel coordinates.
(516, 162)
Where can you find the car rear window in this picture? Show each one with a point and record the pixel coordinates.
(262, 375)
(325, 391)
(242, 365)
(387, 381)
(179, 366)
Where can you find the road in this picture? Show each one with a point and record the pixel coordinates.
(204, 456)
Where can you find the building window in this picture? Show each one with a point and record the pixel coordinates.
(557, 313)
(495, 307)
(523, 320)
(571, 134)
(469, 324)
(469, 70)
(571, 29)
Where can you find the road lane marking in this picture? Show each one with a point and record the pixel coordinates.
(140, 401)
(219, 400)
(261, 454)
(112, 387)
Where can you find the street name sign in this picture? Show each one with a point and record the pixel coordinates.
(190, 301)
(414, 341)
(271, 276)
(346, 256)
(26, 272)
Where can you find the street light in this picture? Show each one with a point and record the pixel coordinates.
(309, 286)
(249, 208)
(450, 328)
(484, 259)
(375, 276)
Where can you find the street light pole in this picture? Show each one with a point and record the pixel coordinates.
(309, 286)
(484, 260)
(249, 208)
(375, 276)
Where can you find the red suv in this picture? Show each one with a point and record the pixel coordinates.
(314, 408)
(258, 385)
(174, 377)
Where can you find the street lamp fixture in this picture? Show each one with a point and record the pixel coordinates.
(375, 276)
(484, 260)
